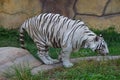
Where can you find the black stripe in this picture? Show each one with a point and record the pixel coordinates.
(74, 23)
(51, 35)
(29, 25)
(87, 31)
(43, 24)
(44, 15)
(81, 25)
(91, 35)
(54, 18)
(40, 19)
(58, 19)
(78, 21)
(74, 31)
(100, 45)
(44, 50)
(48, 26)
(59, 43)
(22, 42)
(68, 24)
(76, 45)
(23, 47)
(55, 43)
(63, 23)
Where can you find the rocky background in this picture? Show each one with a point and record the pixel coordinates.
(98, 14)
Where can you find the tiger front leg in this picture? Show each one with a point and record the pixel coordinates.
(43, 53)
(65, 57)
(51, 59)
(45, 58)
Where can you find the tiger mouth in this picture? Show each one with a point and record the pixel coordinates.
(103, 54)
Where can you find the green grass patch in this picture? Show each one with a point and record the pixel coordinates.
(8, 38)
(104, 70)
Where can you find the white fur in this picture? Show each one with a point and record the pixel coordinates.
(67, 33)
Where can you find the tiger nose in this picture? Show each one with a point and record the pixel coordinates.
(105, 54)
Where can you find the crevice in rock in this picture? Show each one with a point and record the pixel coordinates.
(110, 14)
(105, 7)
(88, 14)
(105, 15)
(74, 9)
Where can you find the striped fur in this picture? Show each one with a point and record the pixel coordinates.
(53, 30)
(22, 38)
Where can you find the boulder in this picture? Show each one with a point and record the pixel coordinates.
(11, 56)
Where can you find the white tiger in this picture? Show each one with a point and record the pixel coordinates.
(53, 30)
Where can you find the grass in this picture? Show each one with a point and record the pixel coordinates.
(104, 70)
(81, 71)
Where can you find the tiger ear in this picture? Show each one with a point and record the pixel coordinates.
(96, 38)
(100, 35)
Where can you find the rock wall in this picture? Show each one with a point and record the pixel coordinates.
(99, 14)
(14, 12)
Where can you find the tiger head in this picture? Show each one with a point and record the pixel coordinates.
(98, 45)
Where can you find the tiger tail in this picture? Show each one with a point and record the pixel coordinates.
(21, 38)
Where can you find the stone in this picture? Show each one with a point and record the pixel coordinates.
(11, 56)
(95, 7)
(15, 12)
(3, 78)
(101, 23)
(113, 7)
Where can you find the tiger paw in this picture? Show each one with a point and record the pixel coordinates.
(48, 62)
(55, 61)
(51, 59)
(67, 64)
(45, 60)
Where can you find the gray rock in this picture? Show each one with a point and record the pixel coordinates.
(10, 56)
